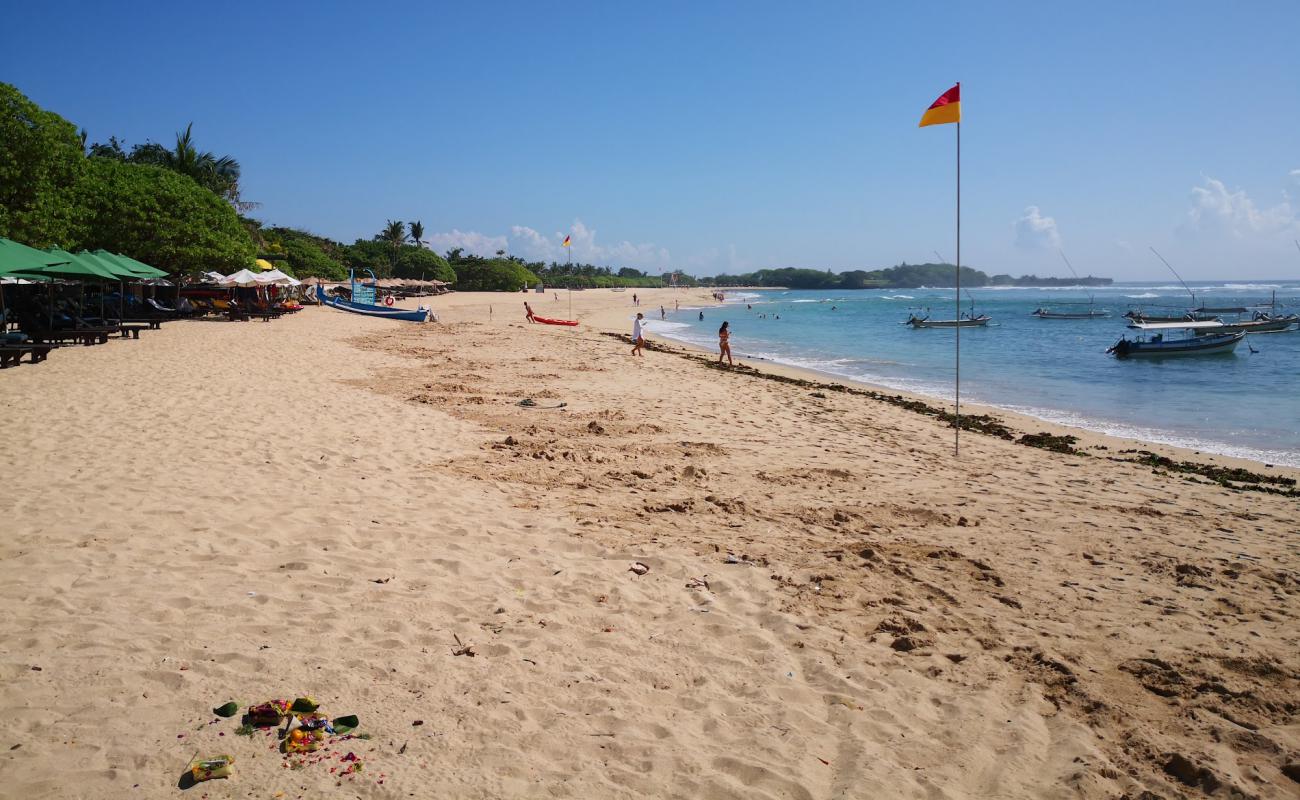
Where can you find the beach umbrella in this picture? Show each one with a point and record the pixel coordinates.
(14, 258)
(123, 269)
(276, 278)
(70, 267)
(241, 278)
(137, 267)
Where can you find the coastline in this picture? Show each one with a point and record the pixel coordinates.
(1089, 438)
(830, 604)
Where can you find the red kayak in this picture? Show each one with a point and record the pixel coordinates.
(547, 321)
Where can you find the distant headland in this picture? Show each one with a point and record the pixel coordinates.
(902, 276)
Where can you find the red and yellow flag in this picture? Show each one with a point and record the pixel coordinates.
(567, 241)
(944, 110)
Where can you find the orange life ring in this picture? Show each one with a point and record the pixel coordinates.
(388, 301)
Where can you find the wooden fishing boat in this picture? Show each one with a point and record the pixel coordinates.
(1139, 316)
(1047, 313)
(1262, 323)
(964, 322)
(1159, 347)
(369, 310)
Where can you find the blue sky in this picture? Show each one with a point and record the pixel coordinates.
(721, 136)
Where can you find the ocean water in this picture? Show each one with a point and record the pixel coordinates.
(1244, 404)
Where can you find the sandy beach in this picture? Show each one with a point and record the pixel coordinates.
(831, 606)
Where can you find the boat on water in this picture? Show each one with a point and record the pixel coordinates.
(1138, 315)
(1049, 313)
(965, 322)
(1263, 323)
(362, 301)
(1160, 347)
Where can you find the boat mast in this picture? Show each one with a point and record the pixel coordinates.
(1176, 275)
(1091, 300)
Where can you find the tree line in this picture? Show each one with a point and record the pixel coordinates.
(902, 276)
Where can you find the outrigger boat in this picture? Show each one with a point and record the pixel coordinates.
(1048, 313)
(362, 292)
(1262, 323)
(1137, 315)
(1159, 347)
(966, 321)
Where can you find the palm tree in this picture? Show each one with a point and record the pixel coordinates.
(219, 174)
(395, 234)
(417, 233)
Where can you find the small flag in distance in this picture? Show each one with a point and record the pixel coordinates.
(944, 110)
(568, 240)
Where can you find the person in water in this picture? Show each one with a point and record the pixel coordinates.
(637, 338)
(701, 316)
(528, 311)
(724, 344)
(662, 313)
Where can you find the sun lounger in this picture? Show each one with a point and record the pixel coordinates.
(86, 336)
(12, 354)
(133, 329)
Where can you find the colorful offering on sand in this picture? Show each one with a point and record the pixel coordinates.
(205, 769)
(269, 713)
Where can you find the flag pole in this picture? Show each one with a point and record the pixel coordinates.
(956, 439)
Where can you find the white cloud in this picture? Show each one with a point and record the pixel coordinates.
(1215, 209)
(471, 242)
(1034, 231)
(533, 245)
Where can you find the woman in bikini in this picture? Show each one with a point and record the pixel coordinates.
(724, 344)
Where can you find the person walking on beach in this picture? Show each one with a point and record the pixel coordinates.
(724, 344)
(638, 339)
(528, 311)
(662, 313)
(635, 301)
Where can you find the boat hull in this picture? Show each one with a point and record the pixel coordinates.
(385, 312)
(977, 322)
(1085, 315)
(1196, 346)
(549, 321)
(1279, 325)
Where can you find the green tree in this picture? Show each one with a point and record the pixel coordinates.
(111, 149)
(307, 255)
(41, 159)
(420, 262)
(218, 174)
(372, 254)
(160, 217)
(417, 232)
(492, 275)
(394, 235)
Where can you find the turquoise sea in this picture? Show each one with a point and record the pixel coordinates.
(1244, 404)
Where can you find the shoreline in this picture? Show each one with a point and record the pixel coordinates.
(1023, 420)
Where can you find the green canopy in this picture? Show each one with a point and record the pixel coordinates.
(70, 267)
(15, 257)
(140, 269)
(119, 271)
